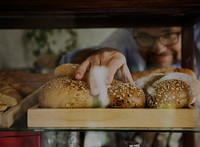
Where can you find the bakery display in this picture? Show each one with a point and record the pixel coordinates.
(61, 104)
(12, 92)
(160, 88)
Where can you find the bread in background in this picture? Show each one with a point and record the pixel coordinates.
(140, 74)
(12, 92)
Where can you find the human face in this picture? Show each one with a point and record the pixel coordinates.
(161, 46)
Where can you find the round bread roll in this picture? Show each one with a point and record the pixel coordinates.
(125, 95)
(65, 70)
(170, 93)
(65, 92)
(68, 70)
(173, 90)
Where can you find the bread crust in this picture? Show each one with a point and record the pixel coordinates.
(170, 90)
(68, 69)
(140, 74)
(125, 95)
(65, 92)
(170, 93)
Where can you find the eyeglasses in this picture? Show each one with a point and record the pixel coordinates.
(167, 39)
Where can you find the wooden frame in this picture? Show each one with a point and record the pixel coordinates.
(22, 14)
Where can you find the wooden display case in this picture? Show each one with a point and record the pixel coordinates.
(45, 14)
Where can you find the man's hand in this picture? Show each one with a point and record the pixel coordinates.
(110, 58)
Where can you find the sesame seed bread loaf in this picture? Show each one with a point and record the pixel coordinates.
(170, 93)
(126, 95)
(171, 90)
(65, 92)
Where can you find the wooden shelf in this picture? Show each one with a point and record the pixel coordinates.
(99, 13)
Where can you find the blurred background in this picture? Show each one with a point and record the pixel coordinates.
(39, 49)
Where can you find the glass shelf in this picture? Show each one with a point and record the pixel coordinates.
(21, 125)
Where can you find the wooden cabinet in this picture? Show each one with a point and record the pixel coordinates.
(22, 14)
(45, 14)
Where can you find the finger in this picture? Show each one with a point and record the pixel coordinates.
(113, 66)
(92, 82)
(127, 75)
(82, 69)
(92, 77)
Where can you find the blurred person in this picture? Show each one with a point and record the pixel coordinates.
(129, 50)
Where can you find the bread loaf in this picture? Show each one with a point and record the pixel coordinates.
(141, 74)
(68, 70)
(125, 95)
(170, 93)
(10, 91)
(9, 101)
(65, 92)
(65, 70)
(22, 88)
(3, 106)
(171, 90)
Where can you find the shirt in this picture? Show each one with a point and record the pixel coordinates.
(122, 40)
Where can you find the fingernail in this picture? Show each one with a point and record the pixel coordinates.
(78, 76)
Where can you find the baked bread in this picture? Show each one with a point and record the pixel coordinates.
(140, 74)
(8, 100)
(65, 70)
(170, 93)
(65, 92)
(68, 70)
(172, 90)
(22, 88)
(125, 95)
(3, 106)
(10, 91)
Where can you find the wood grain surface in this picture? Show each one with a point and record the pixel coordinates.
(112, 118)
